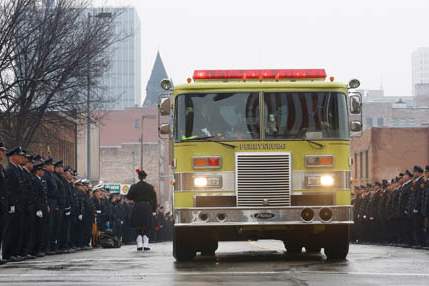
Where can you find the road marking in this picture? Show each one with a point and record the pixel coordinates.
(197, 273)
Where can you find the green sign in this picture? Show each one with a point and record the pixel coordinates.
(113, 188)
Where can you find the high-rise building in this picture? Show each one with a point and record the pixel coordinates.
(420, 68)
(122, 82)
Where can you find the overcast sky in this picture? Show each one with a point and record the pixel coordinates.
(365, 39)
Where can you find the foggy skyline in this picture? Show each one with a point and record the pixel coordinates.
(368, 40)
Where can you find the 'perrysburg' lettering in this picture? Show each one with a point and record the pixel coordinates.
(262, 146)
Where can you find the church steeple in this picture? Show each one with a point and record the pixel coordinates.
(153, 89)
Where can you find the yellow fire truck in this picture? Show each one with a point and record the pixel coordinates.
(261, 154)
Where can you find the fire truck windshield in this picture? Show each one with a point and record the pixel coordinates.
(287, 115)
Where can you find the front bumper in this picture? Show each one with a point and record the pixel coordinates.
(239, 216)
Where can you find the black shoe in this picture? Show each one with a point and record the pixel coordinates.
(19, 258)
(29, 256)
(3, 261)
(40, 254)
(50, 252)
(146, 248)
(139, 248)
(12, 259)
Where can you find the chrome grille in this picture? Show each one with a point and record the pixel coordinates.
(263, 179)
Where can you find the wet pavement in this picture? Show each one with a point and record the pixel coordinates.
(236, 263)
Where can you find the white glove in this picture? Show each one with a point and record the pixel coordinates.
(67, 213)
(415, 211)
(39, 214)
(98, 211)
(371, 218)
(122, 222)
(154, 214)
(80, 217)
(364, 216)
(12, 209)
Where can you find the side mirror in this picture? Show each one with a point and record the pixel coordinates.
(164, 129)
(166, 84)
(354, 83)
(164, 107)
(355, 104)
(356, 126)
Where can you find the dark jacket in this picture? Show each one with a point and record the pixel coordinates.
(14, 186)
(28, 193)
(41, 193)
(144, 196)
(3, 191)
(51, 184)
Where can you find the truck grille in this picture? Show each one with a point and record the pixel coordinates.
(263, 179)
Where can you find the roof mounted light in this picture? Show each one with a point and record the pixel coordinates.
(274, 74)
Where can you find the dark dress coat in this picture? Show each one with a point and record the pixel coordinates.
(144, 196)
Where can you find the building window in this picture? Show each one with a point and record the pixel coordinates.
(369, 122)
(380, 121)
(137, 123)
(360, 165)
(366, 165)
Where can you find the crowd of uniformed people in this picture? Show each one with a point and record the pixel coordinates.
(47, 209)
(394, 212)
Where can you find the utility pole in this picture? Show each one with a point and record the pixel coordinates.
(88, 116)
(88, 100)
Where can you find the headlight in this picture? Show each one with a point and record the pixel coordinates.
(208, 181)
(200, 182)
(327, 180)
(320, 180)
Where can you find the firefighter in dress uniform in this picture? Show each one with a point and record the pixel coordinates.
(144, 196)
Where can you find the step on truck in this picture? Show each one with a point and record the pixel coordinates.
(261, 154)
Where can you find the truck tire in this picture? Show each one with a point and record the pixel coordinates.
(182, 248)
(293, 248)
(312, 249)
(337, 246)
(210, 249)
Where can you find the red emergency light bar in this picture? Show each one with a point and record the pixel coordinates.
(275, 74)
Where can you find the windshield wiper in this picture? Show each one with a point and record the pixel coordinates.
(209, 139)
(319, 145)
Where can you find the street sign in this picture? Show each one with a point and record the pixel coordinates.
(124, 189)
(113, 188)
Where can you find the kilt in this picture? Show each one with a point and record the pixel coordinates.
(141, 215)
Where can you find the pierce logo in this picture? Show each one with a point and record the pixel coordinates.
(264, 215)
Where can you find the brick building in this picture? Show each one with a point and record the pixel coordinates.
(124, 136)
(57, 138)
(382, 153)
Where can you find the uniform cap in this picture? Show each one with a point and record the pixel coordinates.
(141, 173)
(29, 156)
(418, 169)
(15, 151)
(38, 165)
(98, 187)
(58, 163)
(407, 172)
(427, 168)
(49, 161)
(37, 158)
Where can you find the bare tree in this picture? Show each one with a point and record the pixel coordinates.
(58, 53)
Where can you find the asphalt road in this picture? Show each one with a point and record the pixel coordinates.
(236, 263)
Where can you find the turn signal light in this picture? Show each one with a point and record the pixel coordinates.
(315, 161)
(213, 162)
